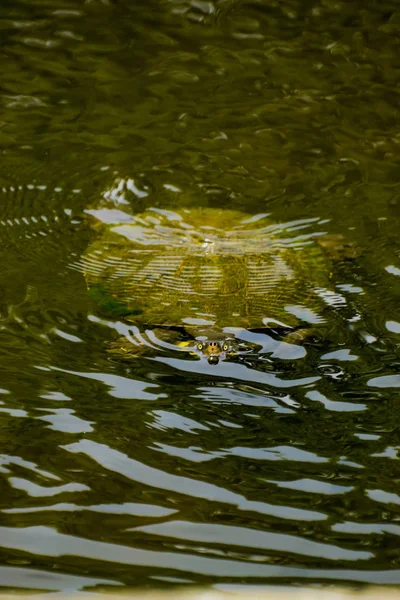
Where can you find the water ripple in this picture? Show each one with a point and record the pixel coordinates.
(149, 466)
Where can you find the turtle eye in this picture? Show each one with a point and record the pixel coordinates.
(200, 346)
(225, 347)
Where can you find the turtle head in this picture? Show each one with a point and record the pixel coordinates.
(214, 350)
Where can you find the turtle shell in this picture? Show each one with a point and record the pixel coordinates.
(203, 267)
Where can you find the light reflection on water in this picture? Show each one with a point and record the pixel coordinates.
(230, 467)
(277, 465)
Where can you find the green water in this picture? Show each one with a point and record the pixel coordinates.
(142, 472)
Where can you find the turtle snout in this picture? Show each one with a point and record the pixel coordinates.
(214, 348)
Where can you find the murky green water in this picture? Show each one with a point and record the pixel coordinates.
(162, 469)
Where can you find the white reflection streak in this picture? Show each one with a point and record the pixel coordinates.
(120, 387)
(38, 491)
(134, 470)
(251, 538)
(17, 460)
(48, 542)
(127, 508)
(38, 579)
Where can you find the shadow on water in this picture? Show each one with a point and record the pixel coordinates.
(277, 465)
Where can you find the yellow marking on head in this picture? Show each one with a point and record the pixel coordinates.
(184, 344)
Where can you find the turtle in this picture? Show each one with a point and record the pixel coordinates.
(205, 274)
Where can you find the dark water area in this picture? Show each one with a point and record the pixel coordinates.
(161, 469)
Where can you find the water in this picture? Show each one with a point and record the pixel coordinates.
(280, 469)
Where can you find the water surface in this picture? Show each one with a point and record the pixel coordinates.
(147, 472)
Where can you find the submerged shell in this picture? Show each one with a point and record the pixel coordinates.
(204, 267)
